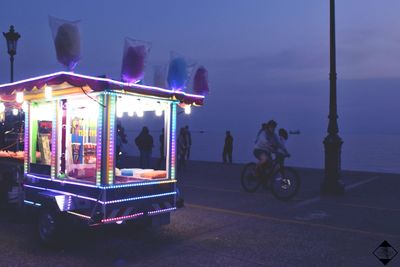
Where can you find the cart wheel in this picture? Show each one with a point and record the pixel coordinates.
(49, 222)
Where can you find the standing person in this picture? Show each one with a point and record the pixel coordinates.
(182, 148)
(188, 137)
(228, 147)
(144, 142)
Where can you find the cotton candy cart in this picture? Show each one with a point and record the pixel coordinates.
(70, 138)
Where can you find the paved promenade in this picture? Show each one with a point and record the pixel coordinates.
(223, 226)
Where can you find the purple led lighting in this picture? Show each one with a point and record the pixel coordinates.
(99, 201)
(79, 215)
(161, 211)
(122, 218)
(101, 187)
(137, 198)
(63, 192)
(104, 80)
(60, 181)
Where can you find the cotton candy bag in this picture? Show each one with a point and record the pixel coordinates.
(200, 81)
(179, 72)
(67, 41)
(134, 60)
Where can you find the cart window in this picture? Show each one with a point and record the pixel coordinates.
(141, 140)
(40, 143)
(80, 139)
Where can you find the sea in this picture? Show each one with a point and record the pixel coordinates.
(361, 152)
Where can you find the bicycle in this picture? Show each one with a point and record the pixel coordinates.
(284, 182)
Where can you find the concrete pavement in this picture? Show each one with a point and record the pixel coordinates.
(223, 226)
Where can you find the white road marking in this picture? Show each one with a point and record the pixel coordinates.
(347, 188)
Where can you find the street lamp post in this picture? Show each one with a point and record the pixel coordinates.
(12, 38)
(332, 142)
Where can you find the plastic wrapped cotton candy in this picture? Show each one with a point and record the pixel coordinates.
(177, 73)
(134, 60)
(67, 41)
(200, 81)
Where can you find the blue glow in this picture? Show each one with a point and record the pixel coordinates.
(99, 201)
(103, 187)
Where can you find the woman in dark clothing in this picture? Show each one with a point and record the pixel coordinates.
(228, 147)
(144, 142)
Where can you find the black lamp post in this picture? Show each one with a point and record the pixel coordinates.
(332, 142)
(12, 38)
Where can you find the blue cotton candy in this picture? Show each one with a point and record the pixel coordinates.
(177, 73)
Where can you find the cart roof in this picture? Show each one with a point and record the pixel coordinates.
(91, 83)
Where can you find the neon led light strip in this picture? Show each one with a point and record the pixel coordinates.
(173, 141)
(104, 80)
(137, 184)
(32, 203)
(61, 192)
(79, 215)
(122, 218)
(161, 211)
(137, 198)
(26, 140)
(100, 98)
(101, 202)
(54, 140)
(102, 187)
(111, 139)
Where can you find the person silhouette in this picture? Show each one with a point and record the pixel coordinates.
(188, 137)
(228, 147)
(182, 146)
(144, 142)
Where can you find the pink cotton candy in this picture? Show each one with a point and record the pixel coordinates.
(134, 60)
(200, 81)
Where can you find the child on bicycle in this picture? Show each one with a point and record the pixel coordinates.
(281, 151)
(265, 145)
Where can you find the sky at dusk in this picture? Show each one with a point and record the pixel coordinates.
(266, 58)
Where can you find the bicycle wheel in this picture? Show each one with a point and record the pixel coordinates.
(285, 184)
(250, 182)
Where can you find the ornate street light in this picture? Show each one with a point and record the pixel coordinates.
(332, 142)
(12, 38)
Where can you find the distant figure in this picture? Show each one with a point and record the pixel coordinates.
(182, 148)
(144, 142)
(121, 139)
(228, 147)
(188, 137)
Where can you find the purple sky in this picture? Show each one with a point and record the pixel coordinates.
(266, 58)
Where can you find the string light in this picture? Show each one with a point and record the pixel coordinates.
(188, 110)
(2, 107)
(48, 92)
(140, 113)
(159, 112)
(19, 97)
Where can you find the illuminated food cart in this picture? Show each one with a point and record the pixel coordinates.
(70, 144)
